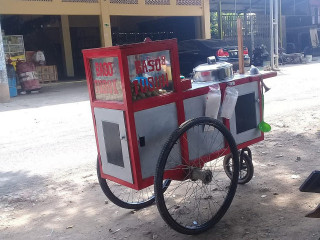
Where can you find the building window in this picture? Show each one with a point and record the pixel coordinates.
(157, 2)
(315, 15)
(124, 1)
(82, 1)
(189, 2)
(37, 0)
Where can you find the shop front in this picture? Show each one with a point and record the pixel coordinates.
(60, 29)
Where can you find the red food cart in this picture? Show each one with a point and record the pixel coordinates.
(155, 141)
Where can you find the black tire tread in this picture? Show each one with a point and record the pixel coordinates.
(107, 191)
(161, 165)
(250, 168)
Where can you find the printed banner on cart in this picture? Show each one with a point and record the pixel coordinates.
(150, 74)
(106, 79)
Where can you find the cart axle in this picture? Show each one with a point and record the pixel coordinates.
(198, 174)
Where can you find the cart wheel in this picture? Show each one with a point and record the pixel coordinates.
(248, 151)
(246, 167)
(200, 192)
(126, 197)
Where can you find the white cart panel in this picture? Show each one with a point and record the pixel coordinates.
(195, 107)
(154, 127)
(112, 138)
(246, 117)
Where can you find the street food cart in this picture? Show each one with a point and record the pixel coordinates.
(157, 139)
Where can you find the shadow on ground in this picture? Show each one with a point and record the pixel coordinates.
(74, 207)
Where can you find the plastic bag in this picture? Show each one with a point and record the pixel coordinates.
(39, 58)
(229, 102)
(28, 76)
(213, 102)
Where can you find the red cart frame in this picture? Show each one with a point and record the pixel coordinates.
(129, 107)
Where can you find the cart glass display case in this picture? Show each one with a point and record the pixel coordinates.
(150, 74)
(132, 88)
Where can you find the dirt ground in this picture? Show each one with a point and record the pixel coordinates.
(49, 189)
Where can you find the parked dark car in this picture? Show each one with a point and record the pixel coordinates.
(196, 51)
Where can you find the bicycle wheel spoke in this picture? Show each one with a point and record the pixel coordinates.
(198, 201)
(127, 197)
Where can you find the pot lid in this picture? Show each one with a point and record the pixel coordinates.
(210, 67)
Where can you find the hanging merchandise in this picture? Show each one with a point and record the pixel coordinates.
(213, 103)
(263, 126)
(229, 102)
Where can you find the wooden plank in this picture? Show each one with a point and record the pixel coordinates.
(240, 46)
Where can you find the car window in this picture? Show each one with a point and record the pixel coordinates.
(214, 43)
(188, 46)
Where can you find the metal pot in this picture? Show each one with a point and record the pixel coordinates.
(213, 71)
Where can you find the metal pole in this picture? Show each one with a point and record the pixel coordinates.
(271, 36)
(235, 7)
(4, 86)
(276, 35)
(280, 24)
(251, 28)
(265, 7)
(220, 20)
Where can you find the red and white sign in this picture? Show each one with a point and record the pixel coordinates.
(106, 79)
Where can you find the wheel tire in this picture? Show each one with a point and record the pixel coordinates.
(125, 203)
(246, 166)
(230, 190)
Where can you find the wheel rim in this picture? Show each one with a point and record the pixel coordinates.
(243, 168)
(129, 195)
(129, 198)
(126, 197)
(193, 205)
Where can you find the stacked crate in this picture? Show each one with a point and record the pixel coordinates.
(47, 73)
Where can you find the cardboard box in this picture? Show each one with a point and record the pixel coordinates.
(47, 73)
(29, 55)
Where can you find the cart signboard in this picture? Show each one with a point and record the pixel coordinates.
(150, 74)
(106, 79)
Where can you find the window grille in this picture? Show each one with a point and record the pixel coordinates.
(189, 2)
(157, 2)
(82, 1)
(124, 1)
